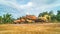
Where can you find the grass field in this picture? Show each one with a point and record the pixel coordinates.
(46, 28)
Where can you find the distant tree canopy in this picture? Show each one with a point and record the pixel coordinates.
(46, 13)
(43, 13)
(53, 17)
(6, 18)
(58, 15)
(58, 12)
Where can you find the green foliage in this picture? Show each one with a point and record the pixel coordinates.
(58, 16)
(51, 13)
(53, 17)
(42, 14)
(58, 12)
(6, 19)
(0, 19)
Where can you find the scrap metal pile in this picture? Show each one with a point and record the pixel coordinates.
(30, 19)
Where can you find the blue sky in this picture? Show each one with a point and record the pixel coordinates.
(22, 7)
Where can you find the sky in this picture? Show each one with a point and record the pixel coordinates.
(20, 8)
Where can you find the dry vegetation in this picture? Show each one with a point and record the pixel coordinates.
(46, 28)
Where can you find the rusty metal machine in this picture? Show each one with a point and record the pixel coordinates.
(30, 19)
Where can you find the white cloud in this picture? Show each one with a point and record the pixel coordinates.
(16, 5)
(29, 4)
(32, 7)
(40, 4)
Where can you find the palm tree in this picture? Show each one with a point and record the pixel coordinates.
(7, 18)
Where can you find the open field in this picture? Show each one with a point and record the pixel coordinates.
(46, 28)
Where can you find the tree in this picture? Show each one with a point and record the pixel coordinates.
(58, 12)
(43, 13)
(49, 15)
(0, 19)
(52, 16)
(7, 18)
(58, 15)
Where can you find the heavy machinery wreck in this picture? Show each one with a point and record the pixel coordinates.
(30, 19)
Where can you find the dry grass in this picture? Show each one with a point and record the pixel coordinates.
(47, 28)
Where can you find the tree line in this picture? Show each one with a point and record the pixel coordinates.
(53, 17)
(8, 19)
